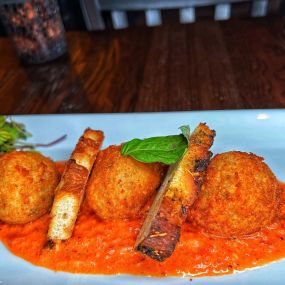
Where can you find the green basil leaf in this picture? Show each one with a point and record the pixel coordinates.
(167, 149)
(185, 132)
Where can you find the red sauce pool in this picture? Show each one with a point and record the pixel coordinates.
(98, 247)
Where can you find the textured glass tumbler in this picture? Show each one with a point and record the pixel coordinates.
(36, 29)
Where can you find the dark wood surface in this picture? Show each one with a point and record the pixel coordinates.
(203, 66)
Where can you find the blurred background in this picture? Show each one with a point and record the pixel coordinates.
(141, 55)
(73, 18)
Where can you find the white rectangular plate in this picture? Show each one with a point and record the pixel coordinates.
(258, 131)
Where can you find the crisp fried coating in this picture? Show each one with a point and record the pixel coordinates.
(161, 229)
(71, 189)
(120, 186)
(240, 196)
(27, 184)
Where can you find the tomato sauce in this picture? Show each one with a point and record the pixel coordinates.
(98, 247)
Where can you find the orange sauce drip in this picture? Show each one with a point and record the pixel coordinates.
(107, 248)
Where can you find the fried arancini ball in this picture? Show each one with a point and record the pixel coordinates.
(27, 183)
(120, 186)
(240, 196)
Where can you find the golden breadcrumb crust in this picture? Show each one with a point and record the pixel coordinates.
(27, 183)
(240, 196)
(120, 186)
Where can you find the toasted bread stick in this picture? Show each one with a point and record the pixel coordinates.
(161, 229)
(70, 190)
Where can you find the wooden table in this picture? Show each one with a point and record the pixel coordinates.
(206, 65)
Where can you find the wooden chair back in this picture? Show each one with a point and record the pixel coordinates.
(92, 10)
